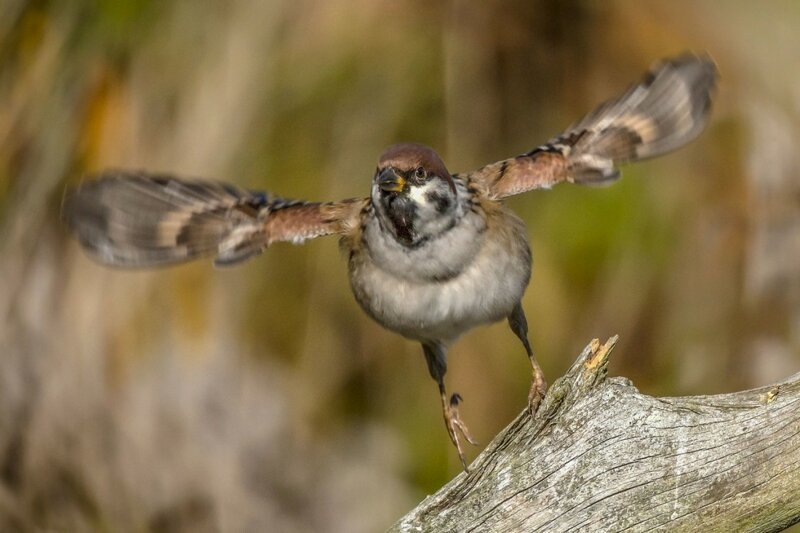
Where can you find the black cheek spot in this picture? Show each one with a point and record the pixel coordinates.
(441, 202)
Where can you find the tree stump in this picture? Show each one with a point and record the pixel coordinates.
(600, 456)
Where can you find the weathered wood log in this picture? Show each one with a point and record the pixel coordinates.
(601, 456)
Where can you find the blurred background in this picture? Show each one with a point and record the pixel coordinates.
(261, 397)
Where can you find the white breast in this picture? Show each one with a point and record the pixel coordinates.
(394, 285)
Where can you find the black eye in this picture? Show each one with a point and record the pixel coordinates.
(420, 173)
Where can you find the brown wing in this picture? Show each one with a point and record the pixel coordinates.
(539, 170)
(303, 221)
(137, 220)
(666, 110)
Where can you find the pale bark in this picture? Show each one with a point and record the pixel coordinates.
(601, 456)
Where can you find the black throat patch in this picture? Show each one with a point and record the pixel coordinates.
(402, 212)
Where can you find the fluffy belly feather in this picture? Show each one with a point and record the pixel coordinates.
(485, 291)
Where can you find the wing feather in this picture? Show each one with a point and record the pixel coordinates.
(664, 111)
(137, 220)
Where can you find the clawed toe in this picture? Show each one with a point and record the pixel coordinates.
(456, 426)
(536, 393)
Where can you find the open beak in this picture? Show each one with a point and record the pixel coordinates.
(390, 181)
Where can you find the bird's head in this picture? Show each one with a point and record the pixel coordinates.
(413, 193)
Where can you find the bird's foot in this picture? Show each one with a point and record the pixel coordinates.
(456, 426)
(537, 392)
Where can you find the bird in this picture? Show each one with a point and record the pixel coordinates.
(430, 254)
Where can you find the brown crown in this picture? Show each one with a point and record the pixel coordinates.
(408, 156)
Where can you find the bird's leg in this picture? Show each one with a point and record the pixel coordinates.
(519, 325)
(454, 424)
(437, 366)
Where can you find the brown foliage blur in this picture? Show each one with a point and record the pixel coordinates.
(261, 398)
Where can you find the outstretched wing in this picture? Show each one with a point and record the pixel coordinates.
(137, 220)
(666, 110)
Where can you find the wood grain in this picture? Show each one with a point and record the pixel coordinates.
(601, 456)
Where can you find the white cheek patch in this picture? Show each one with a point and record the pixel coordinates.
(418, 193)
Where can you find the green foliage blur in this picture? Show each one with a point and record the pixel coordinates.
(261, 397)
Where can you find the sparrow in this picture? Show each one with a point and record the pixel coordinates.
(430, 254)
